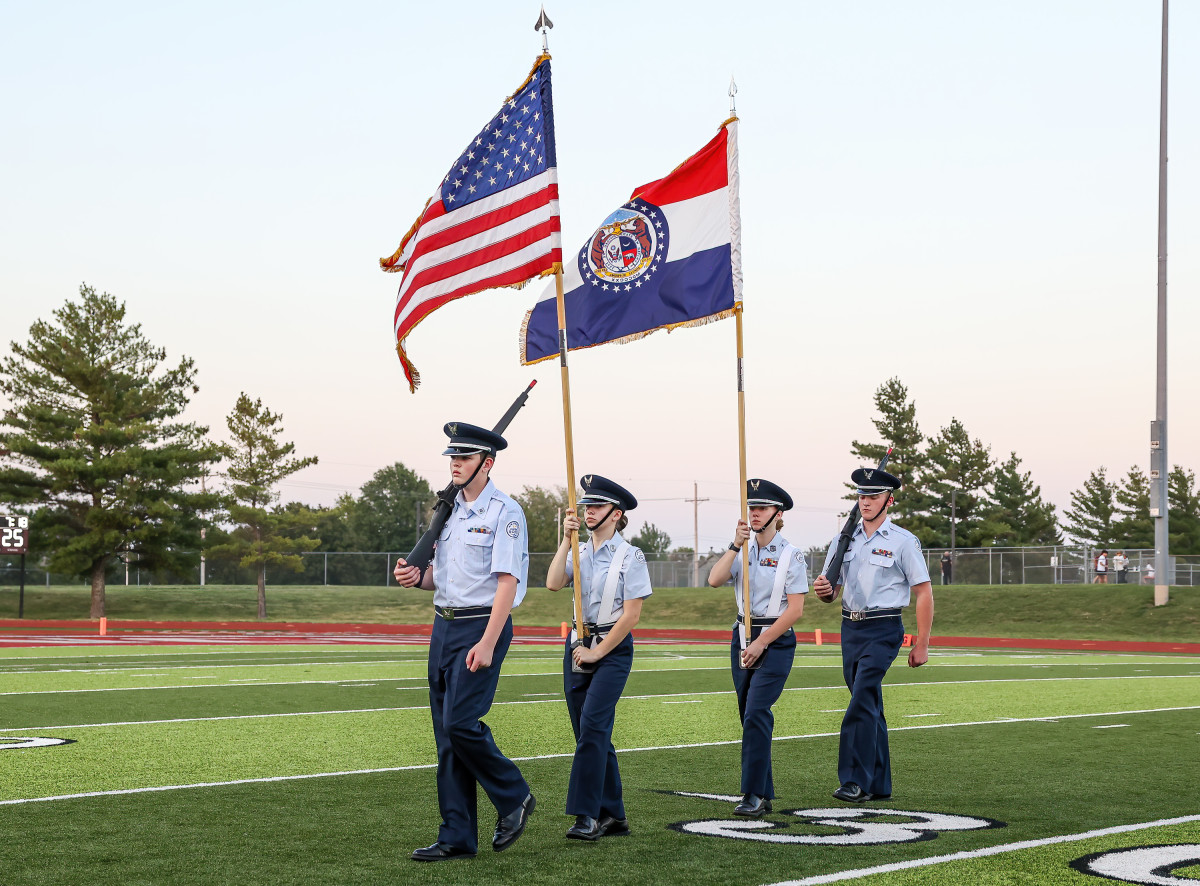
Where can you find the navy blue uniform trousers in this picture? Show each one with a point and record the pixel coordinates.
(467, 754)
(757, 690)
(868, 649)
(595, 785)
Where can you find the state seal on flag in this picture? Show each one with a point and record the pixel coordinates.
(627, 249)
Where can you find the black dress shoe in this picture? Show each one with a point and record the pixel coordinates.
(585, 828)
(510, 827)
(614, 827)
(851, 793)
(441, 852)
(752, 806)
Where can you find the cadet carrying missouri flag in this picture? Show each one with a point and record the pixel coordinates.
(494, 220)
(669, 257)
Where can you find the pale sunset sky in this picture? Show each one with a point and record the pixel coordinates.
(962, 195)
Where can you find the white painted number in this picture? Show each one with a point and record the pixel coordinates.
(10, 743)
(858, 827)
(1153, 865)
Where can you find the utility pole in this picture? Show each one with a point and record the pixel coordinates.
(953, 521)
(203, 535)
(695, 500)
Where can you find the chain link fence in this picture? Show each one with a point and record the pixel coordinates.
(1051, 564)
(1055, 564)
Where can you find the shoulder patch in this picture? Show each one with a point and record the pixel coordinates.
(513, 529)
(638, 555)
(916, 542)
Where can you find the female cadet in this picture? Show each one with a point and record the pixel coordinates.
(761, 663)
(614, 582)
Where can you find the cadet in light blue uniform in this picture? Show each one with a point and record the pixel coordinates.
(614, 583)
(762, 661)
(480, 567)
(883, 567)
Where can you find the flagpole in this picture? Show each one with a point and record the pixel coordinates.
(544, 25)
(741, 391)
(745, 552)
(580, 626)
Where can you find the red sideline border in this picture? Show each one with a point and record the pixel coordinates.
(13, 629)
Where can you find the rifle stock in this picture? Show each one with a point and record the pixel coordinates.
(420, 555)
(834, 572)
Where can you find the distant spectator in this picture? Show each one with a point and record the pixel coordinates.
(947, 567)
(1120, 563)
(1101, 568)
(1148, 574)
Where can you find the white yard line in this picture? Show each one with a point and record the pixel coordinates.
(673, 747)
(987, 851)
(343, 681)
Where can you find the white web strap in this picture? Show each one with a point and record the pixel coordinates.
(615, 570)
(779, 589)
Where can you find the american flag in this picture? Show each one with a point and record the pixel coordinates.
(493, 222)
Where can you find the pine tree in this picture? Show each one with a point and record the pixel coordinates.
(897, 427)
(1015, 513)
(91, 439)
(1183, 524)
(1091, 511)
(257, 462)
(957, 463)
(1132, 525)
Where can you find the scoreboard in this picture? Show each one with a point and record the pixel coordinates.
(14, 534)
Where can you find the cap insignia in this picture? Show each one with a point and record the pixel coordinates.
(868, 473)
(453, 429)
(754, 485)
(587, 481)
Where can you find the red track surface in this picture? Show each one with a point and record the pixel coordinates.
(32, 632)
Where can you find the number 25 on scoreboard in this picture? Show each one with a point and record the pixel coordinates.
(14, 534)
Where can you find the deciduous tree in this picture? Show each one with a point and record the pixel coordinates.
(544, 509)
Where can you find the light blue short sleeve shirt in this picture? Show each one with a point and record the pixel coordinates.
(482, 540)
(764, 563)
(633, 584)
(880, 570)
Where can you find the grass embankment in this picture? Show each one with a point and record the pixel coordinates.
(1084, 612)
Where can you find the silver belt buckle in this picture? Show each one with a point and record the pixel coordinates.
(857, 614)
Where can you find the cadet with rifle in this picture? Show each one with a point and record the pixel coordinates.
(778, 581)
(880, 566)
(480, 568)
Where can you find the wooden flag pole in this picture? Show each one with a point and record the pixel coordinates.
(580, 627)
(745, 512)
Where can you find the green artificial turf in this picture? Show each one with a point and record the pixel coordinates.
(1034, 745)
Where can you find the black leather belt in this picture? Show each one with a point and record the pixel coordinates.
(598, 630)
(452, 612)
(865, 614)
(758, 621)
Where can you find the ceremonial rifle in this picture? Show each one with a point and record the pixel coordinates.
(423, 552)
(834, 572)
